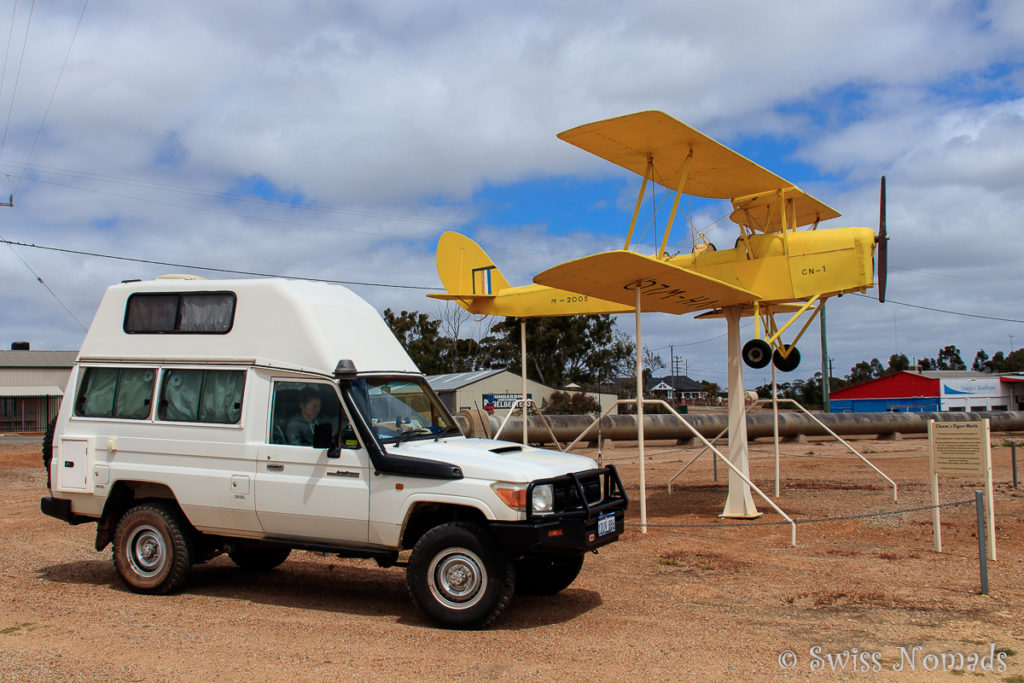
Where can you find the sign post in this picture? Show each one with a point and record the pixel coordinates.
(961, 448)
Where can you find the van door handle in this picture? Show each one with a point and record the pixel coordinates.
(275, 467)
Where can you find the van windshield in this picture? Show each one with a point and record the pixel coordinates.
(402, 408)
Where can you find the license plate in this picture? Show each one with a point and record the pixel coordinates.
(606, 524)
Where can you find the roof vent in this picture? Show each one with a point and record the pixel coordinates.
(20, 346)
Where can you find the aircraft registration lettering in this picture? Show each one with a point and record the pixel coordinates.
(662, 291)
(576, 299)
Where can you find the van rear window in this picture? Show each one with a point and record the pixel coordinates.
(202, 396)
(180, 313)
(115, 392)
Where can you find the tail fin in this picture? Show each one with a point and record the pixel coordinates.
(466, 271)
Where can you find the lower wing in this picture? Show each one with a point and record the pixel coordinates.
(618, 275)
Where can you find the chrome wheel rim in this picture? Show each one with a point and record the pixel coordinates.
(457, 578)
(147, 551)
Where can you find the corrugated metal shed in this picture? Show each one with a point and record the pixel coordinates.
(457, 380)
(30, 392)
(37, 359)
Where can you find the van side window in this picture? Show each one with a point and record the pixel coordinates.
(202, 396)
(180, 313)
(299, 406)
(115, 392)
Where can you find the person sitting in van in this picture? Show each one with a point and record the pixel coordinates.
(299, 431)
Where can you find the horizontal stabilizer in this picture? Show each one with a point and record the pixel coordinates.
(617, 275)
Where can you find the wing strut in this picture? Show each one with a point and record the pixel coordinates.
(639, 200)
(675, 205)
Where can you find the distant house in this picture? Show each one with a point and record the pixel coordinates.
(31, 387)
(932, 391)
(498, 388)
(677, 388)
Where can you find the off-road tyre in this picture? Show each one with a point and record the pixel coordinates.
(48, 448)
(152, 548)
(258, 558)
(460, 577)
(547, 574)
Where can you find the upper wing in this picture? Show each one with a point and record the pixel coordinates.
(716, 172)
(617, 275)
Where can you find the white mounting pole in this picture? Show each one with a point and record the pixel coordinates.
(775, 427)
(640, 416)
(522, 359)
(739, 504)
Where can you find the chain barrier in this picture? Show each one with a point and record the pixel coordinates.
(720, 525)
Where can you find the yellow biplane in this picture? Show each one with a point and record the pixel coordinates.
(772, 269)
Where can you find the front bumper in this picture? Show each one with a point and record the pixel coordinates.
(586, 503)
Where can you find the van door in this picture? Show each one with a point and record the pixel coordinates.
(300, 492)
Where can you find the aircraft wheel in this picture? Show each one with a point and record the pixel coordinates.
(789, 363)
(757, 353)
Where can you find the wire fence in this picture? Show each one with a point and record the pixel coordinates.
(812, 520)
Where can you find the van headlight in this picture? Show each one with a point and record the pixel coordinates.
(514, 495)
(543, 498)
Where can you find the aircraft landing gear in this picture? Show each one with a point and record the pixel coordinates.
(789, 363)
(757, 353)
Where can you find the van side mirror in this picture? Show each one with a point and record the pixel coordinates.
(322, 435)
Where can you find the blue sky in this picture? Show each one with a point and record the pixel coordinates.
(339, 140)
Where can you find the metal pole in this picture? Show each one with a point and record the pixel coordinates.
(982, 560)
(1013, 459)
(522, 359)
(825, 379)
(640, 417)
(775, 427)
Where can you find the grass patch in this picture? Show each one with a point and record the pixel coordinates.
(700, 561)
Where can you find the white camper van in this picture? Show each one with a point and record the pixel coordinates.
(254, 417)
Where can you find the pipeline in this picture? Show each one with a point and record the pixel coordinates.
(759, 424)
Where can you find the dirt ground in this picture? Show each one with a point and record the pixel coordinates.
(696, 596)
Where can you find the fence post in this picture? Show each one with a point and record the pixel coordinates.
(1013, 459)
(982, 558)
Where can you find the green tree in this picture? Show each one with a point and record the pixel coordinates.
(949, 359)
(864, 371)
(580, 348)
(570, 403)
(897, 362)
(420, 336)
(980, 363)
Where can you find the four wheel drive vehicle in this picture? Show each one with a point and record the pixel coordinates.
(254, 417)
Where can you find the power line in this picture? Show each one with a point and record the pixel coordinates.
(53, 95)
(940, 310)
(190, 266)
(17, 79)
(40, 281)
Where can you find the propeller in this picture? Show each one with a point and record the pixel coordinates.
(882, 240)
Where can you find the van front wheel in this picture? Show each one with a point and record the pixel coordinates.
(459, 576)
(152, 553)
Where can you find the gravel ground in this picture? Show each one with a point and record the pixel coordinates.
(720, 600)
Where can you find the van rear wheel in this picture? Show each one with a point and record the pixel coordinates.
(152, 553)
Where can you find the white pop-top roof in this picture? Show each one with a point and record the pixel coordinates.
(283, 323)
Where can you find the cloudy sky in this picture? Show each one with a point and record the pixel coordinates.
(338, 140)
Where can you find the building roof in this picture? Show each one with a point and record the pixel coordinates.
(680, 383)
(902, 384)
(30, 392)
(37, 359)
(457, 380)
(953, 374)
